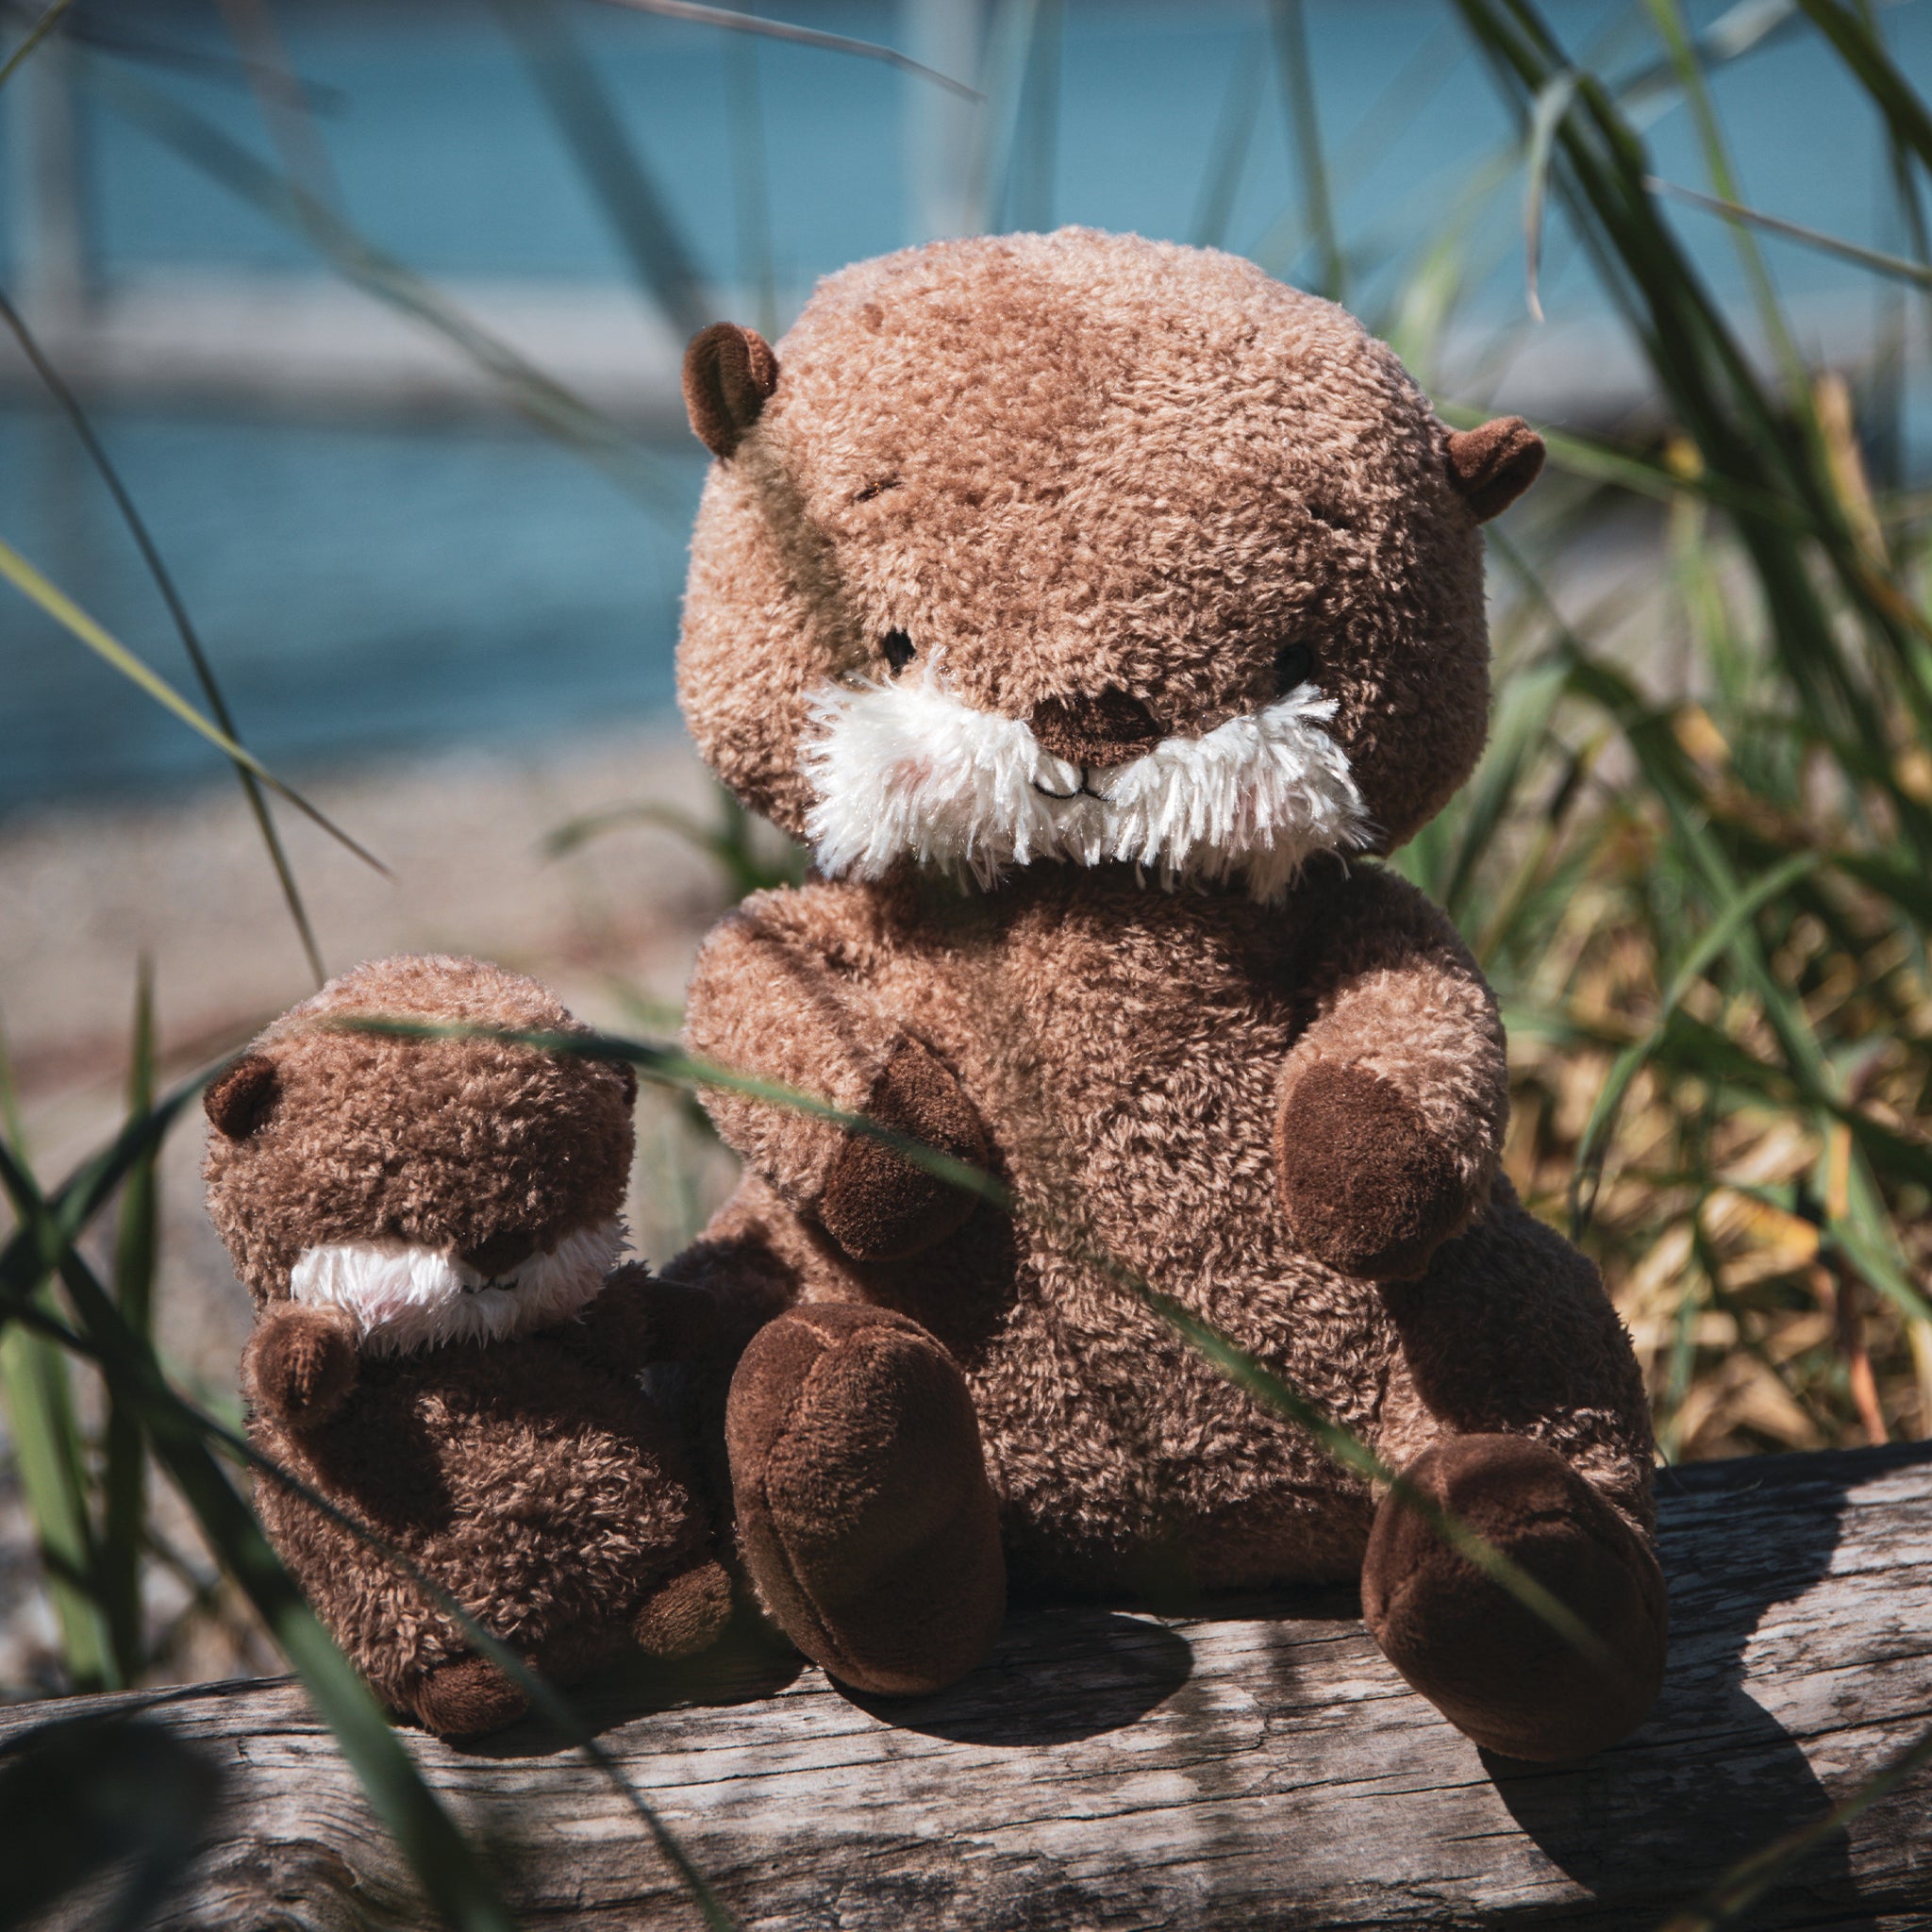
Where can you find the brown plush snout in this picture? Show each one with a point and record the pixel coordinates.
(501, 1252)
(1108, 728)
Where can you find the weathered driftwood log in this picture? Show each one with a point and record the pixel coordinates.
(1263, 1767)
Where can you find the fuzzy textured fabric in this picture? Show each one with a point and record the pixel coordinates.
(403, 1296)
(1095, 608)
(907, 769)
(429, 1226)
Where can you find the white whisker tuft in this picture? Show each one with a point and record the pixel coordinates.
(908, 771)
(404, 1296)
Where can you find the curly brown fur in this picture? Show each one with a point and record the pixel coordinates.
(529, 1476)
(1107, 482)
(1078, 464)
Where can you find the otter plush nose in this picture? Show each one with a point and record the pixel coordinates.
(1107, 728)
(501, 1252)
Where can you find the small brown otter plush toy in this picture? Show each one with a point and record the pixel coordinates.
(1099, 611)
(428, 1227)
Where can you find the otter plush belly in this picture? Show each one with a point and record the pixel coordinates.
(535, 1488)
(1135, 1112)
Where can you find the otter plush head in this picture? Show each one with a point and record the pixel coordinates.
(437, 1190)
(1080, 548)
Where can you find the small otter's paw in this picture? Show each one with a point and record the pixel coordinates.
(639, 1318)
(466, 1698)
(1368, 1190)
(685, 1615)
(877, 1205)
(300, 1364)
(1477, 1652)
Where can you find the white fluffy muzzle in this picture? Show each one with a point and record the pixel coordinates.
(404, 1296)
(907, 770)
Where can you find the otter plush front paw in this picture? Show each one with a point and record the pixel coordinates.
(877, 1205)
(300, 1364)
(1367, 1187)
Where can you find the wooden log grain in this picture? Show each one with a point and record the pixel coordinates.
(1261, 1766)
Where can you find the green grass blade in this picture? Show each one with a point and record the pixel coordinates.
(56, 386)
(1876, 73)
(1550, 104)
(540, 398)
(1724, 932)
(1668, 18)
(124, 1462)
(1748, 1880)
(757, 269)
(449, 1871)
(1032, 161)
(1423, 72)
(734, 22)
(77, 623)
(731, 843)
(1298, 95)
(1227, 158)
(50, 1459)
(35, 34)
(638, 214)
(1896, 266)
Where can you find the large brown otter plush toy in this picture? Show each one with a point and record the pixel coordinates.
(427, 1225)
(1099, 611)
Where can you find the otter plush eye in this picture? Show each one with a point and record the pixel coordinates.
(1294, 664)
(899, 650)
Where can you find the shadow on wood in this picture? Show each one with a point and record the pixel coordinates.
(1258, 1767)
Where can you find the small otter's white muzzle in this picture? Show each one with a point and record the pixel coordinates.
(404, 1296)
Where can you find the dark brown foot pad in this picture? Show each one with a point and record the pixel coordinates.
(466, 1698)
(687, 1614)
(1494, 1669)
(864, 1514)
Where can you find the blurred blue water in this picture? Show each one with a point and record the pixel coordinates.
(366, 589)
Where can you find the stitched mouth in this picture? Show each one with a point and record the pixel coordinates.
(505, 1282)
(1082, 790)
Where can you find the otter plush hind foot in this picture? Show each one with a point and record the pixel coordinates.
(466, 1698)
(1492, 1666)
(685, 1615)
(864, 1514)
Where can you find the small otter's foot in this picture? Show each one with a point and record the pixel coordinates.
(864, 1513)
(1479, 1654)
(466, 1698)
(685, 1615)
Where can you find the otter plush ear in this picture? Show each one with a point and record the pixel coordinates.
(241, 1100)
(728, 373)
(1494, 464)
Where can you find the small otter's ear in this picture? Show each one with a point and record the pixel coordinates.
(244, 1098)
(1494, 464)
(628, 1074)
(728, 373)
